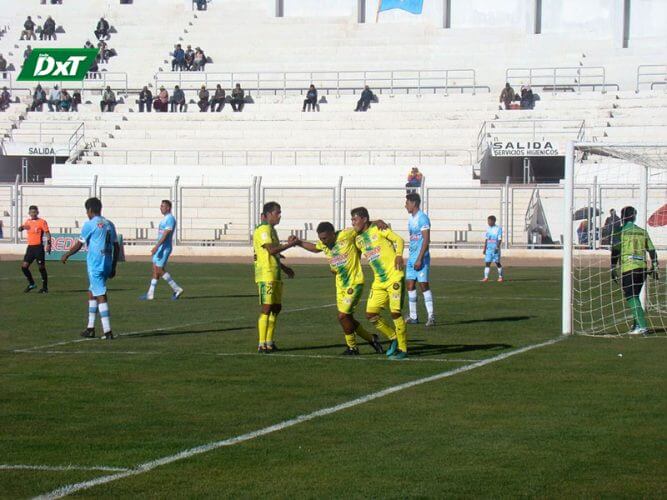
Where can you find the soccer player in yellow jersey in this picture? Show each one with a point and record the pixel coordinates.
(268, 269)
(383, 249)
(345, 262)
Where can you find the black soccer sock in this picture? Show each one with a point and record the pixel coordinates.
(28, 275)
(45, 277)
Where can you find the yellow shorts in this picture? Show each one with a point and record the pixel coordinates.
(348, 298)
(270, 292)
(383, 294)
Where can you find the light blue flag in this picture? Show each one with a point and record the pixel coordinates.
(412, 6)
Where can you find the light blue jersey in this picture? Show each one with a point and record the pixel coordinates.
(99, 236)
(168, 223)
(416, 224)
(493, 236)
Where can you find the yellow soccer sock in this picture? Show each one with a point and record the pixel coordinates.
(351, 340)
(363, 333)
(262, 326)
(271, 328)
(384, 328)
(401, 333)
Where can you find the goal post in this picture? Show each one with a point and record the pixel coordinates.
(600, 179)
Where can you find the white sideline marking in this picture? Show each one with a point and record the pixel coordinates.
(174, 327)
(198, 450)
(62, 467)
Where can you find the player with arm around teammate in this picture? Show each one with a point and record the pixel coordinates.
(345, 262)
(419, 260)
(492, 240)
(99, 236)
(36, 229)
(161, 252)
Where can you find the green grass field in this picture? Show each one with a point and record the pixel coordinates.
(568, 419)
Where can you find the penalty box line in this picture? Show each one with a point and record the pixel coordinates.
(205, 448)
(57, 468)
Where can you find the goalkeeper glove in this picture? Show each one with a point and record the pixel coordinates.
(614, 274)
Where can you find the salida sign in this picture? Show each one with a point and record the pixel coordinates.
(524, 148)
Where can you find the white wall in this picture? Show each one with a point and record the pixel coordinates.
(484, 13)
(320, 8)
(648, 19)
(589, 18)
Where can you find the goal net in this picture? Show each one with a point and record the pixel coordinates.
(601, 180)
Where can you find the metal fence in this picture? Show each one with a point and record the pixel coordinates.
(227, 215)
(651, 75)
(560, 79)
(330, 82)
(117, 80)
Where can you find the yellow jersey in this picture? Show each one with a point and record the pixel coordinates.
(380, 248)
(267, 266)
(344, 259)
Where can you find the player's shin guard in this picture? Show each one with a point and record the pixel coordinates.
(151, 289)
(174, 286)
(383, 327)
(500, 271)
(271, 328)
(401, 333)
(28, 275)
(92, 312)
(105, 317)
(487, 270)
(428, 302)
(637, 312)
(262, 325)
(363, 333)
(412, 302)
(351, 340)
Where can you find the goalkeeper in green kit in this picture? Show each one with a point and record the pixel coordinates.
(631, 243)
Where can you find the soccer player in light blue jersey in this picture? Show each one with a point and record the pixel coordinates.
(161, 252)
(492, 241)
(99, 236)
(419, 261)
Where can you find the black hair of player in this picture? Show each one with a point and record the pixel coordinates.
(628, 214)
(492, 218)
(94, 205)
(32, 207)
(270, 207)
(414, 198)
(325, 227)
(168, 203)
(360, 212)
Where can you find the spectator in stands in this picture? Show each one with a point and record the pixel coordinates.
(238, 98)
(201, 4)
(102, 29)
(28, 30)
(311, 99)
(582, 232)
(88, 45)
(104, 52)
(218, 98)
(415, 178)
(76, 100)
(145, 100)
(3, 66)
(366, 97)
(178, 62)
(527, 98)
(178, 99)
(54, 98)
(200, 60)
(108, 100)
(189, 58)
(65, 103)
(48, 30)
(203, 99)
(161, 104)
(610, 229)
(5, 99)
(38, 99)
(27, 52)
(507, 95)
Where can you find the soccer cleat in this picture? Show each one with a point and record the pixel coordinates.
(375, 344)
(107, 336)
(146, 297)
(500, 280)
(639, 331)
(261, 349)
(350, 351)
(399, 356)
(272, 347)
(485, 280)
(392, 348)
(29, 288)
(411, 321)
(177, 294)
(88, 333)
(43, 290)
(431, 321)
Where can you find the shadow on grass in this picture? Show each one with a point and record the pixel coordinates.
(85, 290)
(164, 333)
(499, 319)
(433, 349)
(227, 296)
